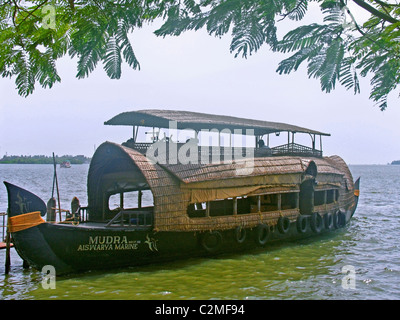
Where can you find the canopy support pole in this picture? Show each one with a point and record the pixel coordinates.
(320, 142)
(140, 199)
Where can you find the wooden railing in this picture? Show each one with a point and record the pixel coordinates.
(291, 149)
(295, 149)
(139, 146)
(137, 219)
(83, 213)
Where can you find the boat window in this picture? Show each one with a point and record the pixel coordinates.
(221, 207)
(244, 205)
(200, 206)
(332, 195)
(114, 202)
(268, 202)
(130, 199)
(289, 200)
(196, 210)
(319, 198)
(326, 196)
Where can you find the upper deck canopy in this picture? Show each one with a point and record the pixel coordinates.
(198, 121)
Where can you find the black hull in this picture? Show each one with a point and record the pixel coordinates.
(72, 249)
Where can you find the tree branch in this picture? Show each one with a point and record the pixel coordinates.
(367, 36)
(384, 4)
(375, 12)
(30, 13)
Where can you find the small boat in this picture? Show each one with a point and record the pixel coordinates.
(202, 198)
(65, 164)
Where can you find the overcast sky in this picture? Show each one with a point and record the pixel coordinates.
(193, 72)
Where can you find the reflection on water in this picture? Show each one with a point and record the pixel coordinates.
(307, 269)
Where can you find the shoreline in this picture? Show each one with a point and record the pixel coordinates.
(79, 159)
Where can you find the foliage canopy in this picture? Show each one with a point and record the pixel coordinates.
(35, 33)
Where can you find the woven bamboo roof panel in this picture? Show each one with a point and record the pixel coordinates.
(175, 187)
(256, 167)
(197, 121)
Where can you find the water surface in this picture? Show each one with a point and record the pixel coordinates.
(308, 269)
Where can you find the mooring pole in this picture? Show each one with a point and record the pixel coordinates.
(51, 210)
(8, 257)
(56, 181)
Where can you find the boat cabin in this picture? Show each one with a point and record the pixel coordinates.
(170, 185)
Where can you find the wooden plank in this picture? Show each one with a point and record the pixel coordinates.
(3, 245)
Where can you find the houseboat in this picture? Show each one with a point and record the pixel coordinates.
(65, 164)
(224, 188)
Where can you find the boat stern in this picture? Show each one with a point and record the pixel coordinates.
(356, 195)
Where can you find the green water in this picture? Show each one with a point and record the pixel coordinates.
(306, 270)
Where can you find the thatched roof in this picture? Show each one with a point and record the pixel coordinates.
(115, 168)
(115, 161)
(246, 168)
(198, 121)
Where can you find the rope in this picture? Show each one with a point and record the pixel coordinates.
(24, 221)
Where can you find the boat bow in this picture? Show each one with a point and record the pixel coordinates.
(21, 201)
(25, 222)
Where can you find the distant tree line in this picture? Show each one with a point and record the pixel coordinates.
(40, 159)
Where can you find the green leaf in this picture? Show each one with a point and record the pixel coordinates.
(298, 11)
(303, 37)
(112, 59)
(127, 51)
(384, 81)
(247, 38)
(348, 75)
(25, 79)
(292, 63)
(330, 69)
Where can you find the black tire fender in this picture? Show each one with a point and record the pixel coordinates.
(240, 234)
(301, 224)
(262, 234)
(316, 222)
(341, 221)
(328, 221)
(283, 224)
(211, 241)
